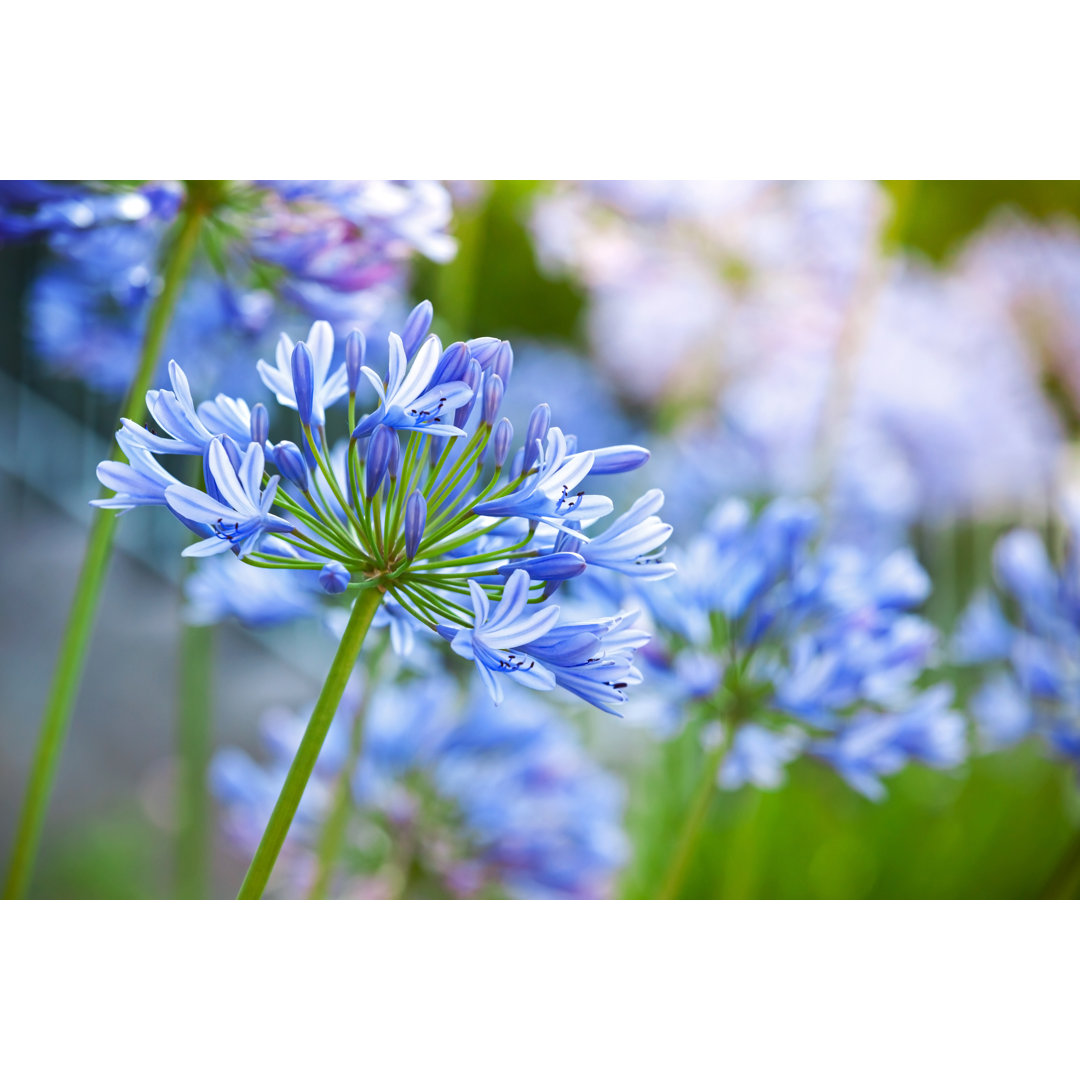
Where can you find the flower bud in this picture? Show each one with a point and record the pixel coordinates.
(484, 350)
(378, 458)
(473, 376)
(618, 459)
(334, 578)
(503, 363)
(416, 327)
(303, 377)
(536, 432)
(556, 566)
(518, 463)
(452, 364)
(260, 423)
(290, 463)
(415, 520)
(500, 441)
(393, 464)
(493, 397)
(355, 350)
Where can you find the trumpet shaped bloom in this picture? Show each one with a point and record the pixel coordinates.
(326, 386)
(242, 516)
(408, 400)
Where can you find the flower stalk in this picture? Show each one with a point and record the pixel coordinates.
(255, 881)
(690, 833)
(67, 675)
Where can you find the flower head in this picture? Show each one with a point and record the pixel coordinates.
(412, 505)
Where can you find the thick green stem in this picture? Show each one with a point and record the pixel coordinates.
(194, 739)
(69, 665)
(332, 836)
(307, 754)
(692, 824)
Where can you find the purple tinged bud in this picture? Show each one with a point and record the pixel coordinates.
(355, 350)
(503, 363)
(539, 422)
(362, 445)
(493, 397)
(416, 327)
(518, 463)
(260, 424)
(378, 459)
(473, 376)
(415, 520)
(334, 578)
(485, 350)
(393, 465)
(500, 441)
(452, 364)
(557, 566)
(290, 463)
(618, 459)
(303, 377)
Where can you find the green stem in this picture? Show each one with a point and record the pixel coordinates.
(1064, 882)
(69, 665)
(332, 836)
(692, 824)
(194, 739)
(303, 764)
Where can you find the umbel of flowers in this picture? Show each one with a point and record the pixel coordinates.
(446, 795)
(425, 506)
(801, 648)
(1030, 645)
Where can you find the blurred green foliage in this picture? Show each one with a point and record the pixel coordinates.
(938, 215)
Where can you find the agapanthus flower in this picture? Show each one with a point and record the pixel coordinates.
(274, 253)
(417, 510)
(1029, 646)
(447, 798)
(814, 649)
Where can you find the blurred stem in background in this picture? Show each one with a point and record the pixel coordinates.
(844, 372)
(332, 837)
(690, 833)
(307, 754)
(194, 745)
(201, 197)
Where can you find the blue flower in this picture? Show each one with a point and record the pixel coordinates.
(39, 207)
(1032, 685)
(242, 516)
(220, 589)
(547, 494)
(408, 400)
(141, 481)
(820, 648)
(483, 801)
(425, 523)
(498, 635)
(327, 386)
(629, 545)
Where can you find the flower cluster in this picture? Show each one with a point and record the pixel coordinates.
(426, 501)
(30, 208)
(274, 252)
(796, 649)
(1034, 684)
(445, 799)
